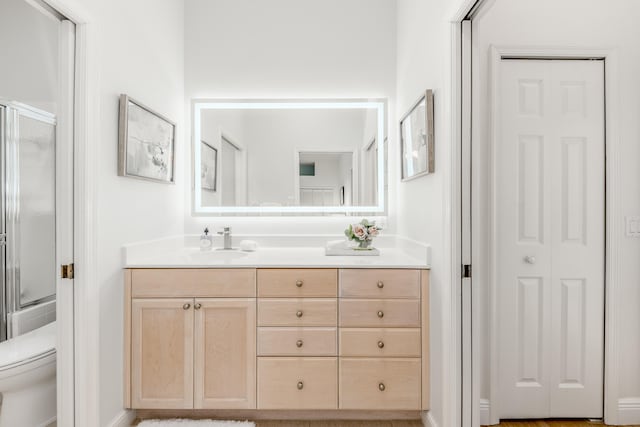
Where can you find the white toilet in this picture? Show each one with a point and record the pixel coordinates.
(28, 379)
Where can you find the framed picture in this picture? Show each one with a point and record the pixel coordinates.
(208, 166)
(417, 139)
(146, 143)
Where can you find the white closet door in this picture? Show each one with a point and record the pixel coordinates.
(550, 237)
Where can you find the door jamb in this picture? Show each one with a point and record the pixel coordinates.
(612, 224)
(86, 286)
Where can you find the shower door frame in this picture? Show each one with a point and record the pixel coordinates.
(9, 209)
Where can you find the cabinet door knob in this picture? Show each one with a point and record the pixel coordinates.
(299, 283)
(380, 314)
(380, 284)
(186, 306)
(299, 343)
(300, 385)
(381, 387)
(380, 344)
(197, 306)
(299, 313)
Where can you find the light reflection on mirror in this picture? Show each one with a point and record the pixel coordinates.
(288, 156)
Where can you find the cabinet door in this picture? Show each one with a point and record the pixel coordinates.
(225, 353)
(162, 353)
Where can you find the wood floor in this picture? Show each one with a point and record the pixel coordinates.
(417, 423)
(405, 423)
(412, 423)
(559, 423)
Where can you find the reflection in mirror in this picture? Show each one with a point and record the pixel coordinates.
(326, 179)
(288, 156)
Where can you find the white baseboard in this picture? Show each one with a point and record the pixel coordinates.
(629, 411)
(123, 419)
(485, 412)
(427, 420)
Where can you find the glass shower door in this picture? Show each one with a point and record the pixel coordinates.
(31, 222)
(27, 218)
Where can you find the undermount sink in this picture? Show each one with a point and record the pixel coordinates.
(218, 255)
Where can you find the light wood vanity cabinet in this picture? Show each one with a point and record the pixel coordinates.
(277, 339)
(196, 351)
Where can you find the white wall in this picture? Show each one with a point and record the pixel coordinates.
(29, 55)
(138, 46)
(422, 55)
(593, 24)
(287, 49)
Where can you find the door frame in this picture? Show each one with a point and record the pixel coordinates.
(84, 409)
(464, 321)
(612, 240)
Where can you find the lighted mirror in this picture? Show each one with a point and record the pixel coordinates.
(288, 156)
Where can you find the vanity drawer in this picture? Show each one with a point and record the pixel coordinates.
(297, 383)
(396, 342)
(379, 313)
(297, 342)
(385, 384)
(378, 283)
(297, 312)
(297, 283)
(193, 282)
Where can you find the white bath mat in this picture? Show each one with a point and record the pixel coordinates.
(179, 422)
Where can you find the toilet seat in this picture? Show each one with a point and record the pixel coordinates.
(28, 348)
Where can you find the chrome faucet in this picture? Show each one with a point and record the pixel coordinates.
(227, 237)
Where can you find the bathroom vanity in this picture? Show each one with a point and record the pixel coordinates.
(344, 335)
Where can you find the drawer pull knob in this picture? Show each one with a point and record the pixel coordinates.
(380, 344)
(197, 306)
(380, 284)
(300, 385)
(299, 313)
(186, 306)
(299, 283)
(380, 314)
(381, 387)
(299, 343)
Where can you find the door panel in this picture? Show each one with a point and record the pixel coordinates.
(162, 353)
(225, 353)
(549, 192)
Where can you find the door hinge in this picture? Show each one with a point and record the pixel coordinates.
(466, 271)
(66, 271)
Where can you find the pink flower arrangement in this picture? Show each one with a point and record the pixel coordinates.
(363, 232)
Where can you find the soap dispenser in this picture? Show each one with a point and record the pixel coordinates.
(206, 241)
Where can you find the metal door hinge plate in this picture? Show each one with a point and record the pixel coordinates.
(66, 271)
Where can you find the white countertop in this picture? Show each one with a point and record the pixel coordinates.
(159, 255)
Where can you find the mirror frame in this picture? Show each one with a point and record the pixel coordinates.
(378, 104)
